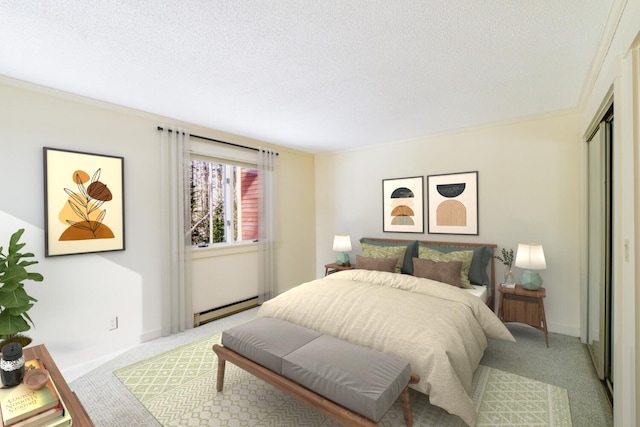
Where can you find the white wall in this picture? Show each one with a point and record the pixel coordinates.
(81, 292)
(212, 290)
(528, 180)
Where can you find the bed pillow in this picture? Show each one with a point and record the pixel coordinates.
(378, 264)
(411, 251)
(481, 258)
(462, 256)
(371, 250)
(445, 272)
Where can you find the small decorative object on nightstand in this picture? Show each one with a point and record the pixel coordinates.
(523, 306)
(530, 257)
(342, 245)
(333, 267)
(507, 260)
(12, 364)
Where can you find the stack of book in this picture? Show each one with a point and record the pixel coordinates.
(21, 406)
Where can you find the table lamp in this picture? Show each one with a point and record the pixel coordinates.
(530, 257)
(342, 245)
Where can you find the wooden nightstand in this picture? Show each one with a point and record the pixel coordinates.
(523, 306)
(333, 267)
(78, 413)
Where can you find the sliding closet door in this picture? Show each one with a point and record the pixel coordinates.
(599, 251)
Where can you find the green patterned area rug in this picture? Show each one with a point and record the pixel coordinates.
(179, 389)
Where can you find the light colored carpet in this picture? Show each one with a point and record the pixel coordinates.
(565, 364)
(178, 388)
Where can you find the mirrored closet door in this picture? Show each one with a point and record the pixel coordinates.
(599, 251)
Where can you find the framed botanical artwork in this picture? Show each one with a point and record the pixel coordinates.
(453, 203)
(83, 202)
(403, 205)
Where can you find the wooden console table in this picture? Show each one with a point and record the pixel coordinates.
(523, 306)
(78, 413)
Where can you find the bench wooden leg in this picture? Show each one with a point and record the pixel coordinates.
(221, 365)
(406, 407)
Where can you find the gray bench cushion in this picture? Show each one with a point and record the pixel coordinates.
(365, 381)
(266, 340)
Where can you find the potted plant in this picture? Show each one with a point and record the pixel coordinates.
(14, 300)
(507, 260)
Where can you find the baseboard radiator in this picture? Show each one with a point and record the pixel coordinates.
(226, 310)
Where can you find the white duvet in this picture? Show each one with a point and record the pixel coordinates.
(441, 330)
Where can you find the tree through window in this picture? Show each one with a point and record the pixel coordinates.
(224, 203)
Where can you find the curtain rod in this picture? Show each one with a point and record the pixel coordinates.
(217, 140)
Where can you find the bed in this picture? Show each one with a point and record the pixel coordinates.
(440, 329)
(481, 272)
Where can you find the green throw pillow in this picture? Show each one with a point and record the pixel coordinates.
(481, 258)
(463, 256)
(411, 252)
(375, 251)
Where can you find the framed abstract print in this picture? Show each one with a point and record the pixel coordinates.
(403, 205)
(453, 203)
(83, 201)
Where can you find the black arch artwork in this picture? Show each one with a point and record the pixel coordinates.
(401, 193)
(451, 190)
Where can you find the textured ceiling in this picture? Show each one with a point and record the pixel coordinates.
(307, 74)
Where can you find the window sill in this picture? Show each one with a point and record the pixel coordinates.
(223, 249)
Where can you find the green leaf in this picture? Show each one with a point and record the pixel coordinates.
(14, 298)
(19, 311)
(13, 275)
(15, 237)
(14, 246)
(27, 263)
(11, 325)
(26, 316)
(36, 277)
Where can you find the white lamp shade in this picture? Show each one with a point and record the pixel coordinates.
(342, 243)
(530, 256)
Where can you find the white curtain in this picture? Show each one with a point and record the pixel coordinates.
(177, 313)
(267, 234)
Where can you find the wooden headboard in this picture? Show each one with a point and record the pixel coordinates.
(491, 266)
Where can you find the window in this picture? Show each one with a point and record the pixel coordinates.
(224, 202)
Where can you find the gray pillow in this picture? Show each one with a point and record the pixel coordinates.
(445, 272)
(378, 264)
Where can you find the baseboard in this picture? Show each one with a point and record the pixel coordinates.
(563, 329)
(224, 311)
(77, 371)
(152, 335)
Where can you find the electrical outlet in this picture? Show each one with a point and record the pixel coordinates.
(113, 323)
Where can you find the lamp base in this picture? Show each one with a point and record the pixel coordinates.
(531, 280)
(342, 258)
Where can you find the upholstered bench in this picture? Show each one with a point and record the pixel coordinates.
(351, 384)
